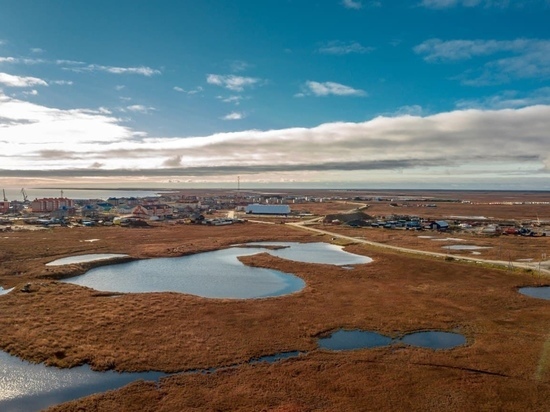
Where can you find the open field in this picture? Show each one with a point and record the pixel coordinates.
(505, 364)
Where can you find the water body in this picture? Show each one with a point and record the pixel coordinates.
(217, 274)
(85, 258)
(434, 339)
(319, 252)
(539, 292)
(353, 339)
(28, 387)
(358, 339)
(465, 247)
(33, 193)
(4, 291)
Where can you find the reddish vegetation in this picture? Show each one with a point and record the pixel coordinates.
(504, 366)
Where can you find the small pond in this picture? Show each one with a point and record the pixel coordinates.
(540, 292)
(353, 339)
(217, 274)
(85, 258)
(434, 339)
(465, 247)
(4, 291)
(358, 339)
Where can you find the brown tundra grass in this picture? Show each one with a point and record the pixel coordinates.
(503, 366)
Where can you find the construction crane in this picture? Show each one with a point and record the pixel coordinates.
(4, 193)
(25, 197)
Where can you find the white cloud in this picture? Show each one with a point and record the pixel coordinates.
(340, 48)
(412, 110)
(119, 87)
(330, 88)
(509, 99)
(233, 116)
(231, 99)
(352, 4)
(467, 142)
(62, 82)
(20, 81)
(141, 70)
(21, 60)
(239, 66)
(33, 92)
(523, 58)
(193, 91)
(37, 50)
(232, 82)
(139, 108)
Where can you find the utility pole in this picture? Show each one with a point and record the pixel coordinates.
(4, 193)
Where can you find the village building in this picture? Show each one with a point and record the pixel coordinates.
(4, 207)
(440, 225)
(156, 211)
(47, 205)
(257, 209)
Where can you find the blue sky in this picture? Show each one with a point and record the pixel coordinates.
(427, 93)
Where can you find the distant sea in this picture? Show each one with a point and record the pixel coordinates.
(15, 194)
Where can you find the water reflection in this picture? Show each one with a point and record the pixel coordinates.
(358, 339)
(434, 339)
(217, 274)
(5, 291)
(85, 258)
(353, 339)
(319, 252)
(26, 386)
(540, 292)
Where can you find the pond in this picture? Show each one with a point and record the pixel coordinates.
(353, 339)
(434, 339)
(217, 274)
(4, 291)
(540, 292)
(26, 387)
(358, 339)
(324, 253)
(85, 258)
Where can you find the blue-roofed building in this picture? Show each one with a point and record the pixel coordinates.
(440, 225)
(257, 209)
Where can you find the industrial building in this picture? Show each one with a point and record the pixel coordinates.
(258, 209)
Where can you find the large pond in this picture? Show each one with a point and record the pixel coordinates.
(359, 339)
(217, 274)
(540, 292)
